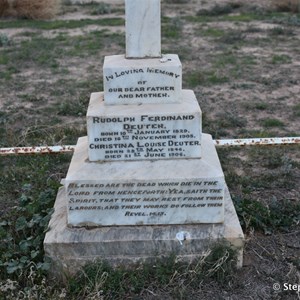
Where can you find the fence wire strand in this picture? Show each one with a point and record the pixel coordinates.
(218, 143)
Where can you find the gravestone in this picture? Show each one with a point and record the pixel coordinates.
(146, 181)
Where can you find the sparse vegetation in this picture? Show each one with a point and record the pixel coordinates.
(61, 24)
(213, 32)
(177, 1)
(272, 122)
(219, 10)
(171, 28)
(276, 215)
(102, 9)
(281, 59)
(297, 110)
(204, 78)
(167, 274)
(4, 40)
(257, 105)
(281, 31)
(23, 223)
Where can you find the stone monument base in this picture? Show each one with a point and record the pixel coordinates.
(145, 192)
(71, 248)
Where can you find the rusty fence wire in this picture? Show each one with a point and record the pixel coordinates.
(218, 143)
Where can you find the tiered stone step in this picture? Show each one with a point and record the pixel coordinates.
(183, 191)
(141, 132)
(136, 81)
(71, 248)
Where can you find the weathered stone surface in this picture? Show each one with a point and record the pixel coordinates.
(70, 248)
(135, 81)
(144, 132)
(180, 191)
(143, 28)
(126, 198)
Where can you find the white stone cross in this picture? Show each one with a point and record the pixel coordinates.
(143, 36)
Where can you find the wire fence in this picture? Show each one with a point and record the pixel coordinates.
(218, 143)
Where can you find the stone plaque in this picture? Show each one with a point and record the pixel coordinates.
(136, 81)
(143, 132)
(183, 191)
(146, 202)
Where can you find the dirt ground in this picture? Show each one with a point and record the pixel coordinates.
(276, 85)
(252, 75)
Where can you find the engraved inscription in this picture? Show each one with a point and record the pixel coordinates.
(145, 136)
(141, 70)
(130, 82)
(147, 202)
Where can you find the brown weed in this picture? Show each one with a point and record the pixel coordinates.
(30, 9)
(287, 5)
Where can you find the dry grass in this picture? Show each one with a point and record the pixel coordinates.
(287, 5)
(30, 9)
(3, 7)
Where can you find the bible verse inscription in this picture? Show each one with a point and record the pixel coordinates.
(146, 200)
